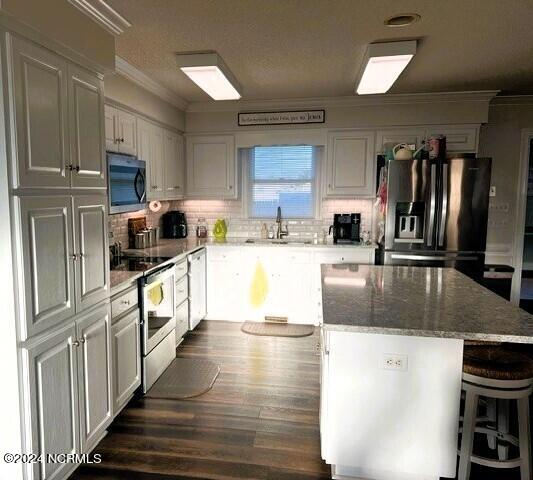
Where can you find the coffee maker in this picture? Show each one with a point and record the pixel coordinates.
(174, 224)
(346, 227)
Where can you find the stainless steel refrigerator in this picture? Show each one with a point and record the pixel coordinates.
(437, 213)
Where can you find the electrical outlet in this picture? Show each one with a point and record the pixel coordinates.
(492, 191)
(394, 361)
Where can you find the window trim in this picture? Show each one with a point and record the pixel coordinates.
(244, 154)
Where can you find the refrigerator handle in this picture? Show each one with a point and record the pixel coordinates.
(432, 205)
(444, 210)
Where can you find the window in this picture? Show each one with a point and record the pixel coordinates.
(283, 176)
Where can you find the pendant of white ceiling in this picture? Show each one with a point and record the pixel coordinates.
(384, 62)
(382, 65)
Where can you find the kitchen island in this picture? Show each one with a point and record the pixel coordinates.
(391, 365)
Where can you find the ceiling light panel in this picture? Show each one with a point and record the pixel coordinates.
(382, 65)
(211, 74)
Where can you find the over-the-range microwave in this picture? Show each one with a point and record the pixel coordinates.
(126, 176)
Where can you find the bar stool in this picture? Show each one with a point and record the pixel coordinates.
(497, 374)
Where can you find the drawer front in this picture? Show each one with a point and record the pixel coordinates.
(181, 269)
(182, 290)
(182, 320)
(124, 302)
(223, 254)
(363, 256)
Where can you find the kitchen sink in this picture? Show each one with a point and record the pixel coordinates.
(277, 241)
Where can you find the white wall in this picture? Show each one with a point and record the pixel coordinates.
(129, 94)
(500, 139)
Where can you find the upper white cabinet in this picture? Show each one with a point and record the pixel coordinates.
(53, 401)
(90, 244)
(58, 110)
(174, 164)
(391, 137)
(150, 138)
(40, 94)
(63, 242)
(86, 117)
(120, 131)
(459, 138)
(350, 163)
(211, 166)
(94, 375)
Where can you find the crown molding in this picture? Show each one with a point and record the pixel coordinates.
(512, 100)
(348, 101)
(103, 14)
(132, 73)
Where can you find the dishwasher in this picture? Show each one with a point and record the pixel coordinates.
(197, 287)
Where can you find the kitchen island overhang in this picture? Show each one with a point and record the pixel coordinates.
(391, 365)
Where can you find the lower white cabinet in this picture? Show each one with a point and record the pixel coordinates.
(94, 375)
(53, 401)
(69, 390)
(182, 320)
(126, 358)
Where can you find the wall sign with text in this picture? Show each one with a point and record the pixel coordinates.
(281, 118)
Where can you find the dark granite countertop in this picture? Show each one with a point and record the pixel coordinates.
(417, 301)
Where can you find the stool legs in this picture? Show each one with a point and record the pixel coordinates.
(467, 438)
(524, 438)
(503, 427)
(492, 416)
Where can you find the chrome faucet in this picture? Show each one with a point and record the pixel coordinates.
(280, 233)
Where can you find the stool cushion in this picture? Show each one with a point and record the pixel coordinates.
(496, 362)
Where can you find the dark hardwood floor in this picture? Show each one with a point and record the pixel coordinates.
(260, 420)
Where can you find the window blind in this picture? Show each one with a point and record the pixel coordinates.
(282, 176)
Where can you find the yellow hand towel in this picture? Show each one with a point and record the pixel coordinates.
(155, 294)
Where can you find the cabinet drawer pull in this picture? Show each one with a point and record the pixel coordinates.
(125, 302)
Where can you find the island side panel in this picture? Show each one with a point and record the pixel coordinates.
(390, 405)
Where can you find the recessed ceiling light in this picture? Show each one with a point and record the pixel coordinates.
(382, 65)
(402, 20)
(211, 74)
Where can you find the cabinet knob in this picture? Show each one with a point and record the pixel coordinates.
(74, 256)
(75, 343)
(82, 340)
(176, 187)
(154, 186)
(231, 187)
(77, 168)
(329, 186)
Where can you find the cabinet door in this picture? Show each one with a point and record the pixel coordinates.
(86, 95)
(127, 132)
(45, 230)
(182, 320)
(53, 399)
(150, 139)
(110, 126)
(174, 165)
(350, 164)
(211, 166)
(126, 359)
(459, 138)
(90, 243)
(39, 90)
(392, 137)
(94, 375)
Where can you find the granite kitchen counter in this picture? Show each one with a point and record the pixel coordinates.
(417, 301)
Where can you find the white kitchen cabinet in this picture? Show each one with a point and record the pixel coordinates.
(94, 375)
(174, 165)
(459, 138)
(182, 321)
(40, 95)
(225, 289)
(350, 164)
(126, 358)
(53, 401)
(120, 130)
(86, 118)
(392, 137)
(91, 246)
(151, 151)
(47, 273)
(339, 255)
(211, 166)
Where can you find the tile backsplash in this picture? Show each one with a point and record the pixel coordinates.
(238, 225)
